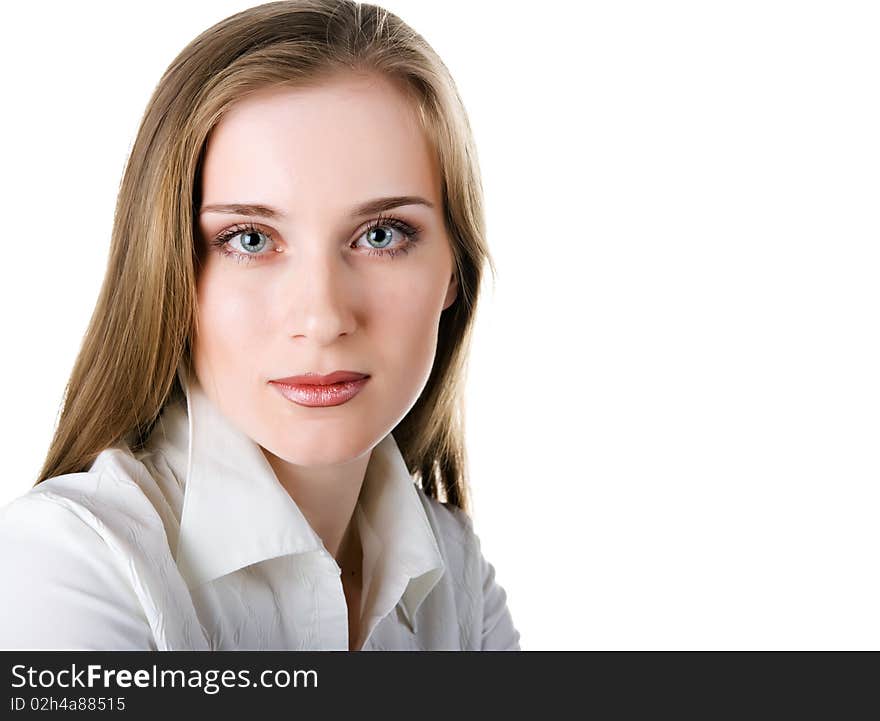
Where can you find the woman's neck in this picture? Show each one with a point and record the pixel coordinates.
(327, 496)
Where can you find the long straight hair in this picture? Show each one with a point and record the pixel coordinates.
(144, 318)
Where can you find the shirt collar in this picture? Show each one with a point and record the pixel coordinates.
(236, 512)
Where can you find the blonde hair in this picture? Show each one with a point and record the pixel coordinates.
(140, 330)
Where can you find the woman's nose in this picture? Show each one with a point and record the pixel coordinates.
(320, 297)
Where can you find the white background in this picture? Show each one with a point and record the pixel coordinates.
(674, 398)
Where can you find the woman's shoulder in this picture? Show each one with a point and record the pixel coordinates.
(481, 601)
(454, 533)
(92, 547)
(63, 517)
(104, 512)
(49, 509)
(108, 493)
(65, 586)
(106, 508)
(450, 522)
(122, 493)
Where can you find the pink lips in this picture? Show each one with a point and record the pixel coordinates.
(313, 379)
(313, 390)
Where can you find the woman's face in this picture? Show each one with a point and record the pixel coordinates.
(306, 283)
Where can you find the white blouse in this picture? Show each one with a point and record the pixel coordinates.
(193, 544)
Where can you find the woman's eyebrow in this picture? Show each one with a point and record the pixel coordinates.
(264, 211)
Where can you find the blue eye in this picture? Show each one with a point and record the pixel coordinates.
(410, 236)
(250, 241)
(384, 230)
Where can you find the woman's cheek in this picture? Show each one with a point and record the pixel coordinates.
(226, 322)
(416, 344)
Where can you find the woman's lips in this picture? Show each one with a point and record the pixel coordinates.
(317, 379)
(333, 394)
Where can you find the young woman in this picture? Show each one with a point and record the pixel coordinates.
(262, 445)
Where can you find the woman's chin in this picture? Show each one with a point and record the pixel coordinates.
(321, 450)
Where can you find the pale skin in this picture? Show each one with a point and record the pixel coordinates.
(312, 298)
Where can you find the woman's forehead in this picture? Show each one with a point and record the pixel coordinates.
(348, 138)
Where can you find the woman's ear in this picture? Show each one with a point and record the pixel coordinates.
(451, 292)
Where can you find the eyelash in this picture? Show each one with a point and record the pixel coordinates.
(410, 233)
